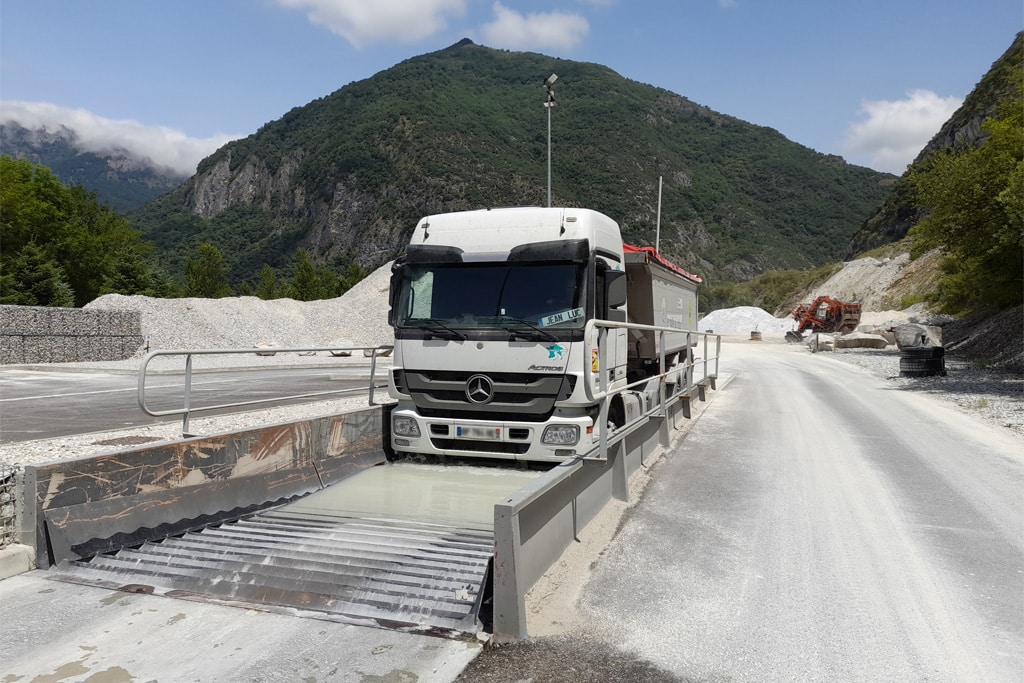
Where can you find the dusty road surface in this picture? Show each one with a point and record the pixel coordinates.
(815, 525)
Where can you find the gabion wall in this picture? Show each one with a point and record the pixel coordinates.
(8, 530)
(38, 334)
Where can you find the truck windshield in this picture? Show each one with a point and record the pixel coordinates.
(493, 295)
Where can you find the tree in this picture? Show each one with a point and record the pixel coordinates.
(87, 240)
(267, 287)
(977, 215)
(29, 278)
(307, 285)
(204, 276)
(352, 275)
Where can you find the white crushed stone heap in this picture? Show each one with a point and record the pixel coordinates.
(743, 320)
(357, 318)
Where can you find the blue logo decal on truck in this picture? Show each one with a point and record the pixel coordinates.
(555, 351)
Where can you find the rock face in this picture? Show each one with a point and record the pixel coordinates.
(220, 188)
(345, 226)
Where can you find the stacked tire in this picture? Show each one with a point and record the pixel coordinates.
(923, 361)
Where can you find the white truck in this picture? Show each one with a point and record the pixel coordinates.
(494, 356)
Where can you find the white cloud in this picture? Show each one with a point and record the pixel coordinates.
(361, 22)
(896, 131)
(159, 146)
(546, 31)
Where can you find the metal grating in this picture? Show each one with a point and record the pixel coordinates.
(390, 573)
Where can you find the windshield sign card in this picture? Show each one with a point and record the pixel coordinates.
(562, 317)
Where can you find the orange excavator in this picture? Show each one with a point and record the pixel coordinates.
(824, 314)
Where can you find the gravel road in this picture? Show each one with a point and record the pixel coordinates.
(816, 524)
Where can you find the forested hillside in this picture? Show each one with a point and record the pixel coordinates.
(345, 177)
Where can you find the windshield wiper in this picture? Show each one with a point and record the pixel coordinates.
(536, 332)
(435, 326)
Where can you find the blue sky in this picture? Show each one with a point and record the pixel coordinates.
(870, 80)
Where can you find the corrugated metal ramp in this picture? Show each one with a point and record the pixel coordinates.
(422, 569)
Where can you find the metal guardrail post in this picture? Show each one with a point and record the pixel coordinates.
(602, 374)
(508, 584)
(373, 373)
(188, 395)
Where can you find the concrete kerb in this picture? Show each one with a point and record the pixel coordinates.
(16, 559)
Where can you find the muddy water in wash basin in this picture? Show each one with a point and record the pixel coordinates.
(428, 493)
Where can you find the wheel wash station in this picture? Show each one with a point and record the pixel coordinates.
(538, 363)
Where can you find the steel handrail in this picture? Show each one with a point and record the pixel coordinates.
(187, 410)
(605, 394)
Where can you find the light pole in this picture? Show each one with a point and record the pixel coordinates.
(550, 81)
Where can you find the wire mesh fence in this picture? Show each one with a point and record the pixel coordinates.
(8, 531)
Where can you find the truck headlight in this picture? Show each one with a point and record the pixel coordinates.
(402, 425)
(560, 435)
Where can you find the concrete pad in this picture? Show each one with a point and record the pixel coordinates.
(58, 631)
(16, 559)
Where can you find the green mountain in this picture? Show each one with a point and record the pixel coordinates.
(901, 210)
(347, 176)
(117, 180)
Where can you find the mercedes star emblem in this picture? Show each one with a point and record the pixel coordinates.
(479, 389)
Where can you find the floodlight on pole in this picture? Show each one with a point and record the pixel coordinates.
(549, 103)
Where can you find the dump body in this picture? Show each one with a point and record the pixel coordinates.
(490, 311)
(662, 294)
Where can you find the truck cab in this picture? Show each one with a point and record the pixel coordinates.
(490, 311)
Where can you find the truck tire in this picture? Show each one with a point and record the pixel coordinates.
(923, 352)
(922, 367)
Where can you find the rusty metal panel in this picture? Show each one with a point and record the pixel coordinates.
(170, 484)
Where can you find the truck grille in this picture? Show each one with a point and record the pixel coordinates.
(523, 396)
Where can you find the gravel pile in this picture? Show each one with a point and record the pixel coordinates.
(358, 318)
(743, 320)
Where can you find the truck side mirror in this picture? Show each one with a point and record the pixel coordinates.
(393, 289)
(614, 288)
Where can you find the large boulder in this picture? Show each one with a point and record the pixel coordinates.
(861, 340)
(913, 335)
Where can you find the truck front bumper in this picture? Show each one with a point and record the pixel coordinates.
(505, 439)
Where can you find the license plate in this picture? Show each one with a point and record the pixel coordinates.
(484, 433)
